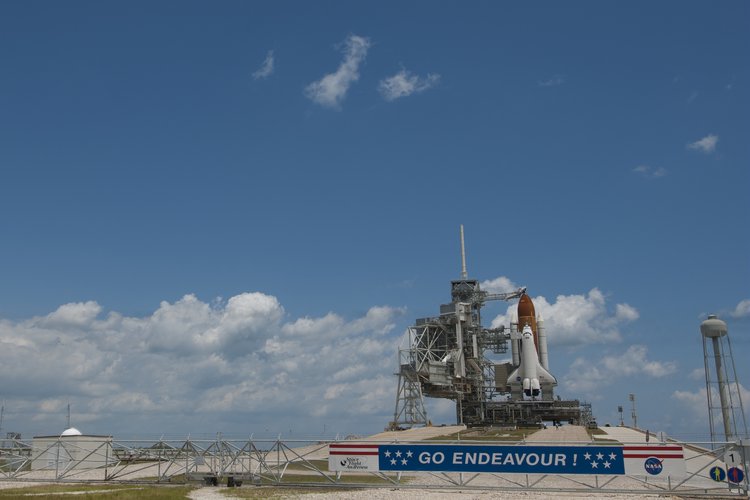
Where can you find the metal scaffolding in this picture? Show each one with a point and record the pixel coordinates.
(305, 463)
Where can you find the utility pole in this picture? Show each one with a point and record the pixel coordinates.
(631, 397)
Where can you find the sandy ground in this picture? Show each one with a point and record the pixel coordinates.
(207, 493)
(464, 495)
(385, 494)
(417, 434)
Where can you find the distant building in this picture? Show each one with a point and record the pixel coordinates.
(71, 450)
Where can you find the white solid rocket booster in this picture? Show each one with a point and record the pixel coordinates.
(543, 357)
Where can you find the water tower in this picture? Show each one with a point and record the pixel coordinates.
(722, 382)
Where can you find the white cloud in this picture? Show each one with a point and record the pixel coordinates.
(190, 359)
(698, 402)
(499, 285)
(586, 375)
(552, 82)
(378, 320)
(697, 374)
(626, 312)
(577, 319)
(742, 310)
(695, 402)
(706, 145)
(649, 172)
(404, 84)
(266, 69)
(331, 90)
(77, 314)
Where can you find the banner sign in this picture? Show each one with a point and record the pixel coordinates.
(353, 457)
(654, 460)
(520, 459)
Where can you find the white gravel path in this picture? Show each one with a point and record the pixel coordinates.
(207, 493)
(213, 493)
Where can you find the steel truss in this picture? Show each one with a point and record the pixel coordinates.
(410, 410)
(305, 463)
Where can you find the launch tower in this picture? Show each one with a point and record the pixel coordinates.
(446, 357)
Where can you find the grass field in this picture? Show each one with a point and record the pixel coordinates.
(97, 491)
(316, 484)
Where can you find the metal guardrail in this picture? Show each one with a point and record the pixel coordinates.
(280, 462)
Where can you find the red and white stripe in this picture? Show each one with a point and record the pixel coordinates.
(662, 452)
(353, 450)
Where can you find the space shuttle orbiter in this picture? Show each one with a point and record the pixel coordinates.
(531, 378)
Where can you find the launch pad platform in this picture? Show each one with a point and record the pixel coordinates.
(535, 413)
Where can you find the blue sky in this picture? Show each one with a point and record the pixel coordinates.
(223, 216)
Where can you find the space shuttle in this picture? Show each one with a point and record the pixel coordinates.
(531, 377)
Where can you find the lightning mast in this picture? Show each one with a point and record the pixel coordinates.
(464, 274)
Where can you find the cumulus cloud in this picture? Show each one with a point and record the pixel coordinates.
(190, 358)
(649, 172)
(331, 90)
(577, 319)
(552, 82)
(625, 312)
(74, 315)
(586, 375)
(742, 310)
(499, 285)
(706, 145)
(266, 69)
(404, 84)
(692, 398)
(697, 401)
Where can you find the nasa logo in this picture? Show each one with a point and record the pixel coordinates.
(653, 466)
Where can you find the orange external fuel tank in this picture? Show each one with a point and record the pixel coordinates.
(527, 316)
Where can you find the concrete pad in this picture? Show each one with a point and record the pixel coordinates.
(569, 434)
(417, 433)
(626, 435)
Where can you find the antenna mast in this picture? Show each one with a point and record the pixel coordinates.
(464, 275)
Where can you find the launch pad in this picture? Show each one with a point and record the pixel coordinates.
(447, 357)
